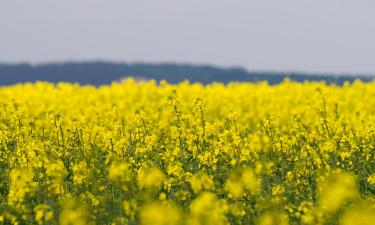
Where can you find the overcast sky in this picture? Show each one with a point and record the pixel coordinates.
(290, 35)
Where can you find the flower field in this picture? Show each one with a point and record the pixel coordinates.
(162, 154)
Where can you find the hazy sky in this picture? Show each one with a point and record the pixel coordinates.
(304, 35)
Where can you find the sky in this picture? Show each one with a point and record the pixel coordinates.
(335, 36)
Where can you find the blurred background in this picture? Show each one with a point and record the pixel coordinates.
(97, 42)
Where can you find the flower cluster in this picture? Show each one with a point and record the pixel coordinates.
(189, 154)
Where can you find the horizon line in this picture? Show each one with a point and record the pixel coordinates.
(144, 63)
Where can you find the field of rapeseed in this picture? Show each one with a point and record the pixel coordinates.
(160, 154)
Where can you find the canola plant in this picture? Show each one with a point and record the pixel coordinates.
(161, 154)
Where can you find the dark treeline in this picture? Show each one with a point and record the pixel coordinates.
(98, 73)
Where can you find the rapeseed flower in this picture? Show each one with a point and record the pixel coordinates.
(146, 153)
(150, 177)
(201, 182)
(160, 214)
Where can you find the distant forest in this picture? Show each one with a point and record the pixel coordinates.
(99, 73)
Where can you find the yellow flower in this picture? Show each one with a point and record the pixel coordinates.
(239, 153)
(250, 181)
(74, 213)
(175, 168)
(371, 179)
(130, 208)
(272, 218)
(150, 177)
(80, 171)
(336, 189)
(208, 210)
(160, 214)
(56, 174)
(43, 213)
(201, 182)
(360, 213)
(242, 181)
(21, 184)
(119, 171)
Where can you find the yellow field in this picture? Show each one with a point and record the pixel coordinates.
(142, 153)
